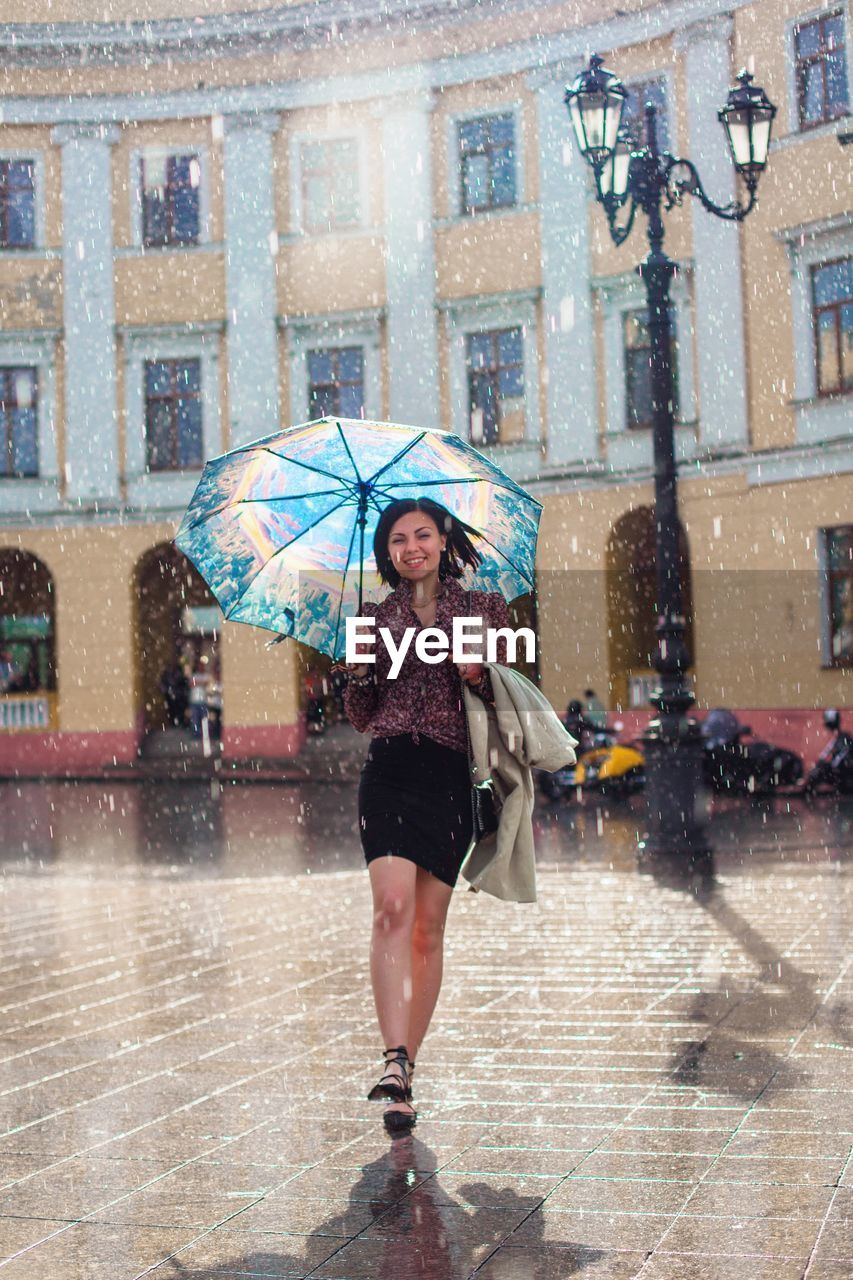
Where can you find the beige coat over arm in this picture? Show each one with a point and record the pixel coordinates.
(521, 732)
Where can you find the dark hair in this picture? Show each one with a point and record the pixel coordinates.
(458, 552)
(589, 693)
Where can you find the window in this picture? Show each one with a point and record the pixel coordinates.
(838, 549)
(17, 204)
(821, 70)
(495, 365)
(487, 163)
(18, 422)
(832, 307)
(638, 370)
(634, 111)
(336, 383)
(173, 433)
(170, 200)
(331, 187)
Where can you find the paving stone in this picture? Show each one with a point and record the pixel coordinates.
(624, 1081)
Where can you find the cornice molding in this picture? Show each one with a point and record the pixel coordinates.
(556, 56)
(239, 34)
(717, 30)
(84, 132)
(241, 121)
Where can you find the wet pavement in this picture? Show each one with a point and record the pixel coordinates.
(641, 1076)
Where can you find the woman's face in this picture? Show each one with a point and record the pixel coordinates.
(415, 546)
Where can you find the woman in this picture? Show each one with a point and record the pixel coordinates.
(414, 798)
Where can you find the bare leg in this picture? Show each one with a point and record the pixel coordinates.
(392, 881)
(432, 899)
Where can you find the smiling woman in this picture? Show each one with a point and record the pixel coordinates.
(414, 799)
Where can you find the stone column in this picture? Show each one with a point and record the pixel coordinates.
(572, 402)
(88, 293)
(719, 326)
(409, 261)
(250, 280)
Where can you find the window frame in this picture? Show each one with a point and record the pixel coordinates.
(664, 76)
(512, 106)
(6, 370)
(625, 447)
(818, 417)
(36, 155)
(480, 315)
(842, 389)
(173, 399)
(320, 332)
(795, 129)
(675, 353)
(359, 134)
(167, 489)
(464, 210)
(494, 372)
(160, 152)
(805, 126)
(39, 493)
(827, 576)
(335, 350)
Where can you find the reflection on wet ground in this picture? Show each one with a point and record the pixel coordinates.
(240, 829)
(642, 1077)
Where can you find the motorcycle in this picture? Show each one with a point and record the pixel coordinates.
(833, 769)
(604, 765)
(729, 764)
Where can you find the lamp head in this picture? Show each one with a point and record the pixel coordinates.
(747, 119)
(595, 102)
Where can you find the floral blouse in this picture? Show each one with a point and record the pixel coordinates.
(425, 698)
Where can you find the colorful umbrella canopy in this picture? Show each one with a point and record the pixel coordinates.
(282, 529)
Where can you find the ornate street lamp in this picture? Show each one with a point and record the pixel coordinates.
(654, 181)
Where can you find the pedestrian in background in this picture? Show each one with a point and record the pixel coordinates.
(594, 709)
(414, 797)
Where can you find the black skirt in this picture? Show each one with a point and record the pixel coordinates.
(414, 802)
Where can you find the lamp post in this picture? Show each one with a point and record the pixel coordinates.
(655, 181)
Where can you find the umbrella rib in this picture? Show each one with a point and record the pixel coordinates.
(498, 484)
(349, 452)
(295, 462)
(507, 558)
(343, 588)
(288, 497)
(299, 535)
(398, 456)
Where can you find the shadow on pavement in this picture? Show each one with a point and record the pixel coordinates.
(417, 1230)
(784, 999)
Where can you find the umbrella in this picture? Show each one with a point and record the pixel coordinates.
(282, 529)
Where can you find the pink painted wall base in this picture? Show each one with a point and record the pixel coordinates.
(799, 729)
(64, 755)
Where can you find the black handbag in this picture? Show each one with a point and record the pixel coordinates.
(485, 805)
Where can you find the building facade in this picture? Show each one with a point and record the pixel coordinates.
(213, 225)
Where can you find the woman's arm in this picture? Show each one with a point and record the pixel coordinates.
(496, 614)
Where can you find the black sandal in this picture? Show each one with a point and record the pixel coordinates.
(398, 1088)
(397, 1122)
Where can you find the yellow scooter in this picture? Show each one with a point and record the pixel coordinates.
(611, 767)
(604, 765)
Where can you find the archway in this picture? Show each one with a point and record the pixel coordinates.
(27, 642)
(178, 670)
(632, 608)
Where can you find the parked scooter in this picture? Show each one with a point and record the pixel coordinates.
(611, 768)
(604, 765)
(731, 765)
(833, 769)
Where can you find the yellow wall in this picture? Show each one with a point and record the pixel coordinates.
(93, 571)
(756, 588)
